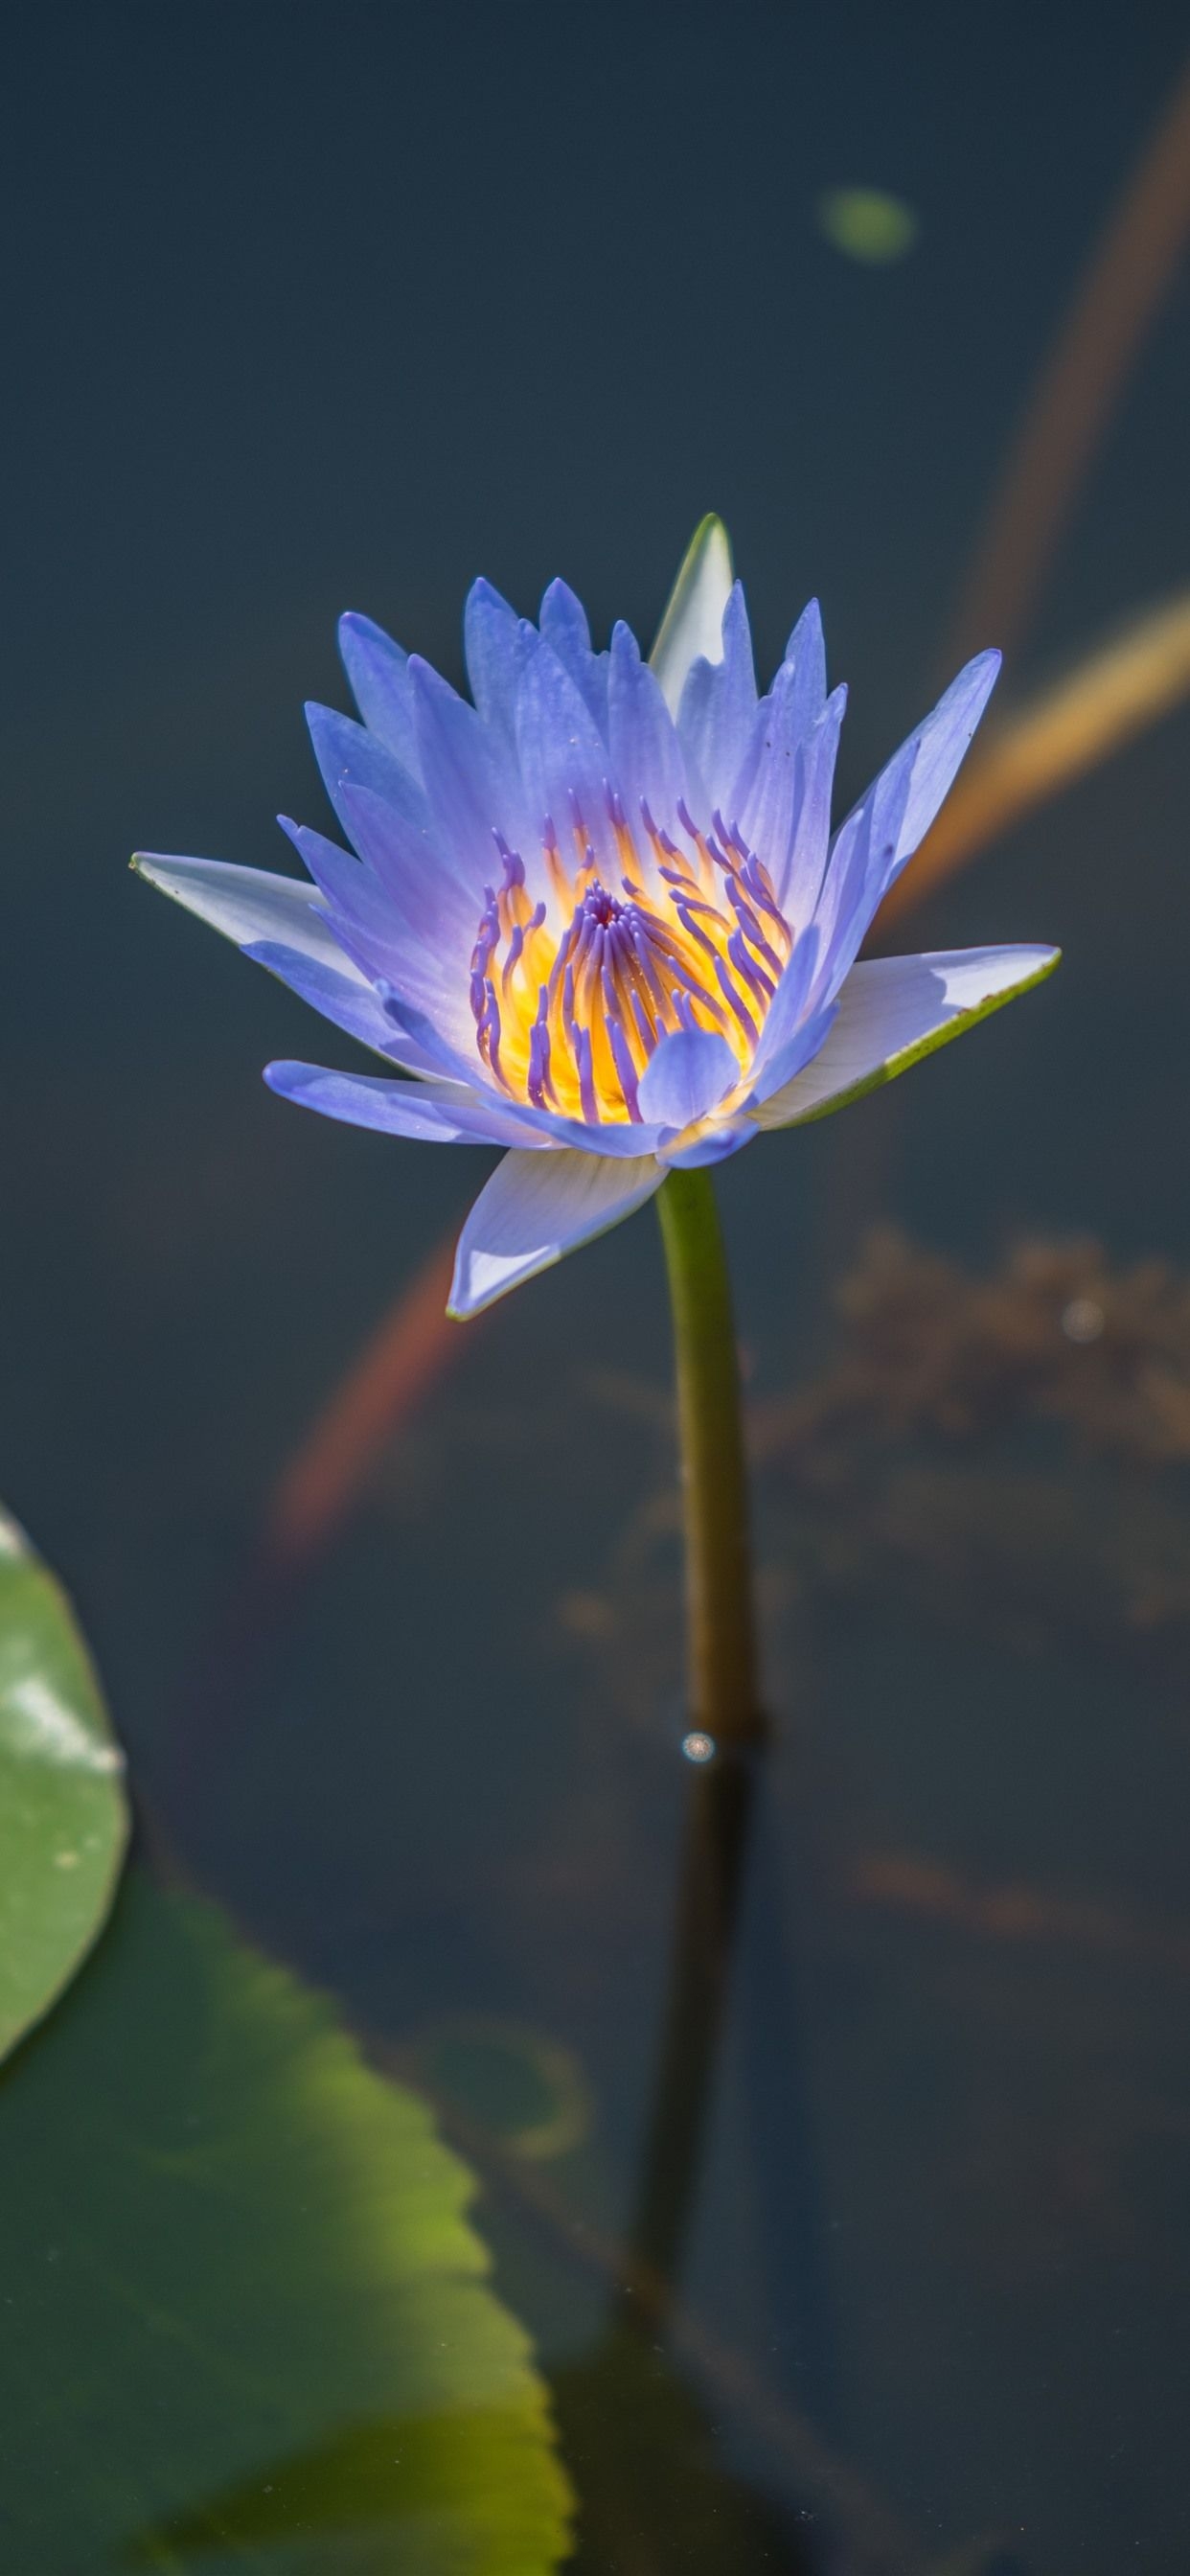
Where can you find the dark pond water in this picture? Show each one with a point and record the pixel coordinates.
(312, 308)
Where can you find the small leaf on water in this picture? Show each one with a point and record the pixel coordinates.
(63, 1816)
(245, 2319)
(867, 224)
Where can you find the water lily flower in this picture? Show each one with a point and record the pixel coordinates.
(599, 914)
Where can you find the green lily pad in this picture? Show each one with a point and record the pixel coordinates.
(63, 1816)
(246, 2322)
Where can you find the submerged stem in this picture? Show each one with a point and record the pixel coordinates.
(721, 1640)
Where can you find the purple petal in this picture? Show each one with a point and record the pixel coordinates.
(534, 1209)
(714, 1145)
(413, 938)
(565, 629)
(563, 758)
(806, 650)
(341, 996)
(799, 883)
(891, 1011)
(431, 1113)
(495, 641)
(646, 755)
(787, 806)
(882, 832)
(718, 708)
(278, 923)
(782, 1062)
(858, 870)
(347, 755)
(794, 703)
(436, 897)
(378, 671)
(942, 744)
(788, 1009)
(472, 785)
(686, 1076)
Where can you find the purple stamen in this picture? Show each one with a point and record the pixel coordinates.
(586, 1078)
(487, 934)
(514, 865)
(625, 1068)
(749, 974)
(733, 839)
(513, 959)
(569, 1021)
(491, 1029)
(685, 913)
(732, 998)
(654, 986)
(753, 877)
(750, 926)
(644, 1026)
(562, 960)
(539, 1056)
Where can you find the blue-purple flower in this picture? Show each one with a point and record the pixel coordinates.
(599, 915)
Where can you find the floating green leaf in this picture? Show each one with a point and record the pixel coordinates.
(245, 2320)
(63, 1819)
(867, 224)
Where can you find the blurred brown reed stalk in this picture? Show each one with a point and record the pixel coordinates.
(401, 1361)
(1118, 296)
(1049, 742)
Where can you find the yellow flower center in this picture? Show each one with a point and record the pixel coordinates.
(571, 995)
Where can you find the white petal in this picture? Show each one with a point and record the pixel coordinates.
(536, 1207)
(249, 904)
(893, 1010)
(693, 622)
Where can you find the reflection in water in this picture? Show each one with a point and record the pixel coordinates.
(720, 1801)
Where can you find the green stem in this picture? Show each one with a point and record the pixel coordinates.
(721, 1640)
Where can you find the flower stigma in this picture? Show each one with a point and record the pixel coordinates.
(571, 994)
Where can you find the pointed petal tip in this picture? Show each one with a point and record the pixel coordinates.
(711, 531)
(692, 627)
(485, 591)
(159, 868)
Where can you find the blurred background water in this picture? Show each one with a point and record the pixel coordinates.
(312, 308)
